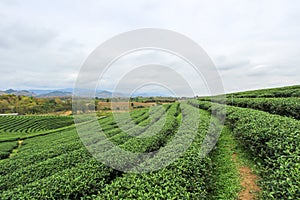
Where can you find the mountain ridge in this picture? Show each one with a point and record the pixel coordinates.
(68, 92)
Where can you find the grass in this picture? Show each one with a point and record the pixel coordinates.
(245, 159)
(225, 178)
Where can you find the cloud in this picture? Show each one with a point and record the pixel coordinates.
(18, 35)
(44, 43)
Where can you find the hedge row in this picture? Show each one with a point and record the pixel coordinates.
(186, 178)
(27, 124)
(289, 91)
(84, 178)
(39, 149)
(289, 107)
(274, 142)
(6, 148)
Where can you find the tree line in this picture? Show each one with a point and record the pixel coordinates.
(31, 105)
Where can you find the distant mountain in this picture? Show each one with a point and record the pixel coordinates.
(39, 92)
(45, 91)
(56, 94)
(10, 91)
(103, 94)
(67, 92)
(86, 92)
(107, 94)
(151, 94)
(18, 92)
(99, 93)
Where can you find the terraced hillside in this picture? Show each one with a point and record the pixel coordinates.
(30, 124)
(44, 158)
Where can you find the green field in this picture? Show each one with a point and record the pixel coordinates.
(42, 157)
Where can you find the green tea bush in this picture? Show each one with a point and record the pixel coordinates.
(289, 107)
(275, 142)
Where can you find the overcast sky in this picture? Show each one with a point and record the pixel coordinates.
(254, 44)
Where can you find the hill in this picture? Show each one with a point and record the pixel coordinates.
(287, 91)
(18, 92)
(56, 94)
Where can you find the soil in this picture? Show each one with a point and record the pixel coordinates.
(14, 151)
(20, 143)
(248, 182)
(234, 157)
(66, 113)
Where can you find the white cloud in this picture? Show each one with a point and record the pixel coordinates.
(43, 43)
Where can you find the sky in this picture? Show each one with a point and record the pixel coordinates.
(253, 44)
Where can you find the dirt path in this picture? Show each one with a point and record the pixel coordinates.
(14, 151)
(250, 188)
(248, 182)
